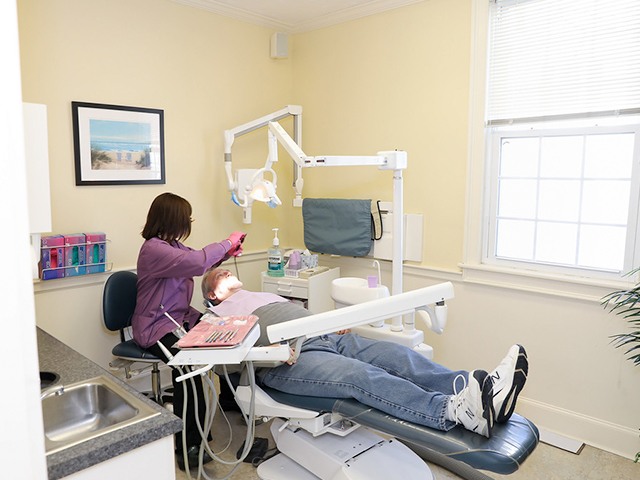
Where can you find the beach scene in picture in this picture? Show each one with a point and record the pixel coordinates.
(120, 145)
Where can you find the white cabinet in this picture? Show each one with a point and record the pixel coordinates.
(36, 150)
(313, 292)
(153, 460)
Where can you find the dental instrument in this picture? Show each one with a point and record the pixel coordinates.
(179, 331)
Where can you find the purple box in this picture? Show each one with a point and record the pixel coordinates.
(51, 263)
(96, 252)
(75, 254)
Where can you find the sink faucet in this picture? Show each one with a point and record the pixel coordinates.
(50, 391)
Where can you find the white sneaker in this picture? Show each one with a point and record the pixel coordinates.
(508, 380)
(472, 407)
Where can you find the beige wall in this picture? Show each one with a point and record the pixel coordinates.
(400, 79)
(206, 72)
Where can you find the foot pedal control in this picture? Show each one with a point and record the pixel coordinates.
(257, 452)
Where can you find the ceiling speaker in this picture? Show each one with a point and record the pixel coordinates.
(279, 45)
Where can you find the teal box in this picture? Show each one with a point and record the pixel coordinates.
(96, 252)
(75, 257)
(51, 263)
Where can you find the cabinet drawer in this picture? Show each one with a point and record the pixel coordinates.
(286, 289)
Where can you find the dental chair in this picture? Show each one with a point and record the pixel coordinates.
(340, 439)
(316, 435)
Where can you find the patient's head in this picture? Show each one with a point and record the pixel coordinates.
(218, 284)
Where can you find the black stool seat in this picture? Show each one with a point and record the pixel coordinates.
(129, 350)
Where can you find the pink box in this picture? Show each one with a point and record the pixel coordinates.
(74, 254)
(96, 252)
(51, 263)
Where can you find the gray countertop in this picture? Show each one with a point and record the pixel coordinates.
(55, 356)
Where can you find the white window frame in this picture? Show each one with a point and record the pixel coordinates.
(475, 266)
(628, 125)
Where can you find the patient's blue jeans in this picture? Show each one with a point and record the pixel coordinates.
(384, 375)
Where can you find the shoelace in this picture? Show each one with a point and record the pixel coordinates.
(457, 395)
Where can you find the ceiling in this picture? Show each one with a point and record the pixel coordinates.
(295, 16)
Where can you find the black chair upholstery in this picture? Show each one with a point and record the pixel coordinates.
(118, 305)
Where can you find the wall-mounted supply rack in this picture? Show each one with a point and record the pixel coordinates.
(71, 255)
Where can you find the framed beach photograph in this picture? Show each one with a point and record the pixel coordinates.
(117, 145)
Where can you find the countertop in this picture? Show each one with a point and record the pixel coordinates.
(55, 356)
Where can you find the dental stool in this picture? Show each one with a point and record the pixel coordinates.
(118, 305)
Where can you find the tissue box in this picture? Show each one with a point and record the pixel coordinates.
(309, 261)
(51, 257)
(75, 254)
(96, 252)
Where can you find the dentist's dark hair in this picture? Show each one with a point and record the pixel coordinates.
(169, 218)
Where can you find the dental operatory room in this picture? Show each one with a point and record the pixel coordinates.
(320, 239)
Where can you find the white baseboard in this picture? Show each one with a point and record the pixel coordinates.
(571, 428)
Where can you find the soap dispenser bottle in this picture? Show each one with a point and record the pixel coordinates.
(275, 266)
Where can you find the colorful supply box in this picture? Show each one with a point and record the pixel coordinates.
(51, 263)
(96, 252)
(75, 254)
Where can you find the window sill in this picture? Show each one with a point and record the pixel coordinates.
(577, 288)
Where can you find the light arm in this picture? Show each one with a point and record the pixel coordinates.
(303, 160)
(231, 134)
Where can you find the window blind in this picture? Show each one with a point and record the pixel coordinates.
(563, 58)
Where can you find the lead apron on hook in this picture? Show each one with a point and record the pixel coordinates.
(337, 226)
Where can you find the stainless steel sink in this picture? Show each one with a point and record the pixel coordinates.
(88, 409)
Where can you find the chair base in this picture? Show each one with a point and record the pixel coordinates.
(458, 450)
(157, 394)
(360, 454)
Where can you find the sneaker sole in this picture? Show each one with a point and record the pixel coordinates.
(520, 373)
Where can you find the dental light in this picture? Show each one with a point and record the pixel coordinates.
(252, 186)
(263, 190)
(244, 181)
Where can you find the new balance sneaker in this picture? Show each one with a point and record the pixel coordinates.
(472, 407)
(508, 380)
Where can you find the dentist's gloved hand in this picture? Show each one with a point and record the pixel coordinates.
(236, 239)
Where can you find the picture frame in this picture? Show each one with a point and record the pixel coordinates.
(117, 144)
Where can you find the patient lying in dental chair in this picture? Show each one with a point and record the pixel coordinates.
(384, 375)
